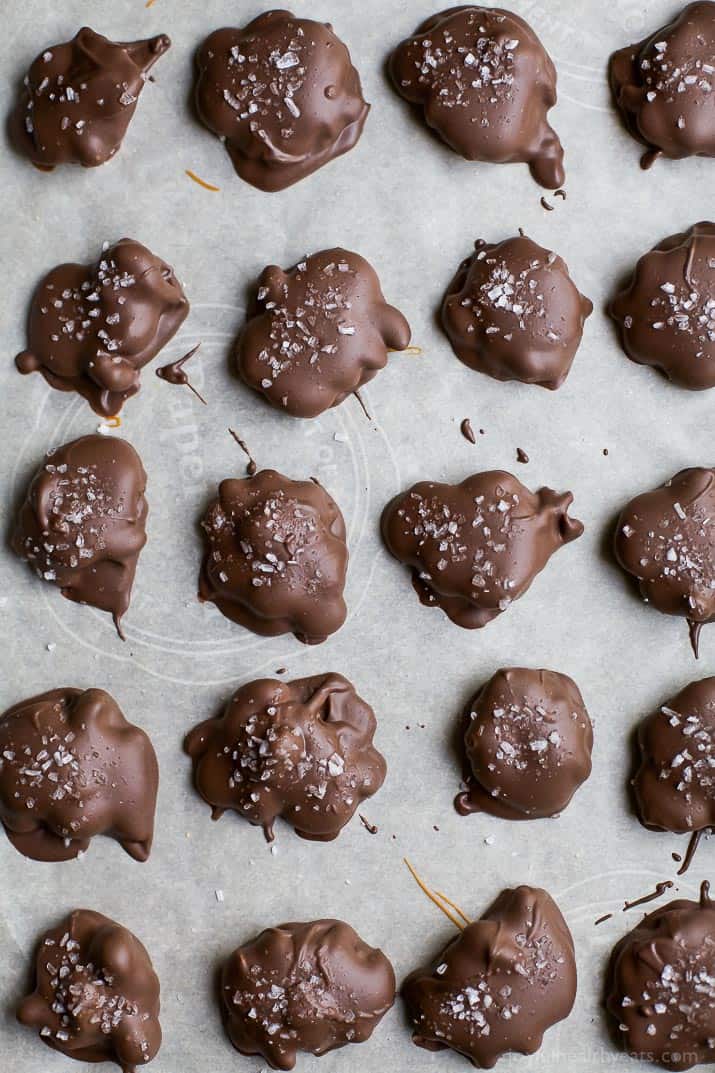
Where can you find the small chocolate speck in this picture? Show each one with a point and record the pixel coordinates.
(546, 205)
(371, 827)
(467, 431)
(521, 455)
(561, 194)
(605, 451)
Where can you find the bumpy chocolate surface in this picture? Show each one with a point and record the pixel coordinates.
(318, 332)
(527, 743)
(486, 84)
(96, 996)
(500, 984)
(512, 311)
(662, 985)
(276, 556)
(666, 314)
(666, 540)
(304, 987)
(72, 767)
(301, 750)
(664, 86)
(79, 98)
(283, 96)
(92, 328)
(475, 547)
(675, 783)
(83, 522)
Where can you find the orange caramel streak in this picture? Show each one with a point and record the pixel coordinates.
(436, 899)
(202, 182)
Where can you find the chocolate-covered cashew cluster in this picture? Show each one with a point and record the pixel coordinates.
(300, 750)
(318, 332)
(500, 984)
(527, 743)
(72, 767)
(82, 524)
(474, 548)
(79, 98)
(663, 86)
(276, 556)
(512, 311)
(675, 782)
(283, 96)
(486, 84)
(92, 328)
(662, 985)
(96, 996)
(666, 540)
(308, 988)
(666, 313)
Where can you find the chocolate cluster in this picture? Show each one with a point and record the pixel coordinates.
(527, 744)
(663, 86)
(318, 332)
(485, 84)
(96, 995)
(300, 750)
(500, 984)
(666, 540)
(276, 557)
(82, 524)
(512, 311)
(283, 96)
(666, 313)
(662, 985)
(72, 767)
(308, 988)
(92, 328)
(474, 548)
(79, 98)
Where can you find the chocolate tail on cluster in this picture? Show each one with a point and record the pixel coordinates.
(146, 52)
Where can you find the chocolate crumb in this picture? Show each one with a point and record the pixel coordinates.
(467, 431)
(521, 455)
(371, 827)
(546, 205)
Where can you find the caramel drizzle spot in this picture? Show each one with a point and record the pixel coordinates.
(438, 899)
(202, 182)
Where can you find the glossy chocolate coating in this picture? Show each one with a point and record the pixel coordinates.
(92, 328)
(276, 556)
(662, 985)
(527, 743)
(675, 783)
(499, 984)
(664, 86)
(666, 540)
(83, 522)
(512, 311)
(475, 547)
(301, 750)
(310, 987)
(318, 332)
(96, 996)
(486, 84)
(72, 767)
(79, 98)
(283, 96)
(666, 314)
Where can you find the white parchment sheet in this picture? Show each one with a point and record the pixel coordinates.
(414, 210)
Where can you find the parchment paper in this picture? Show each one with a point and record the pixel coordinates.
(413, 209)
